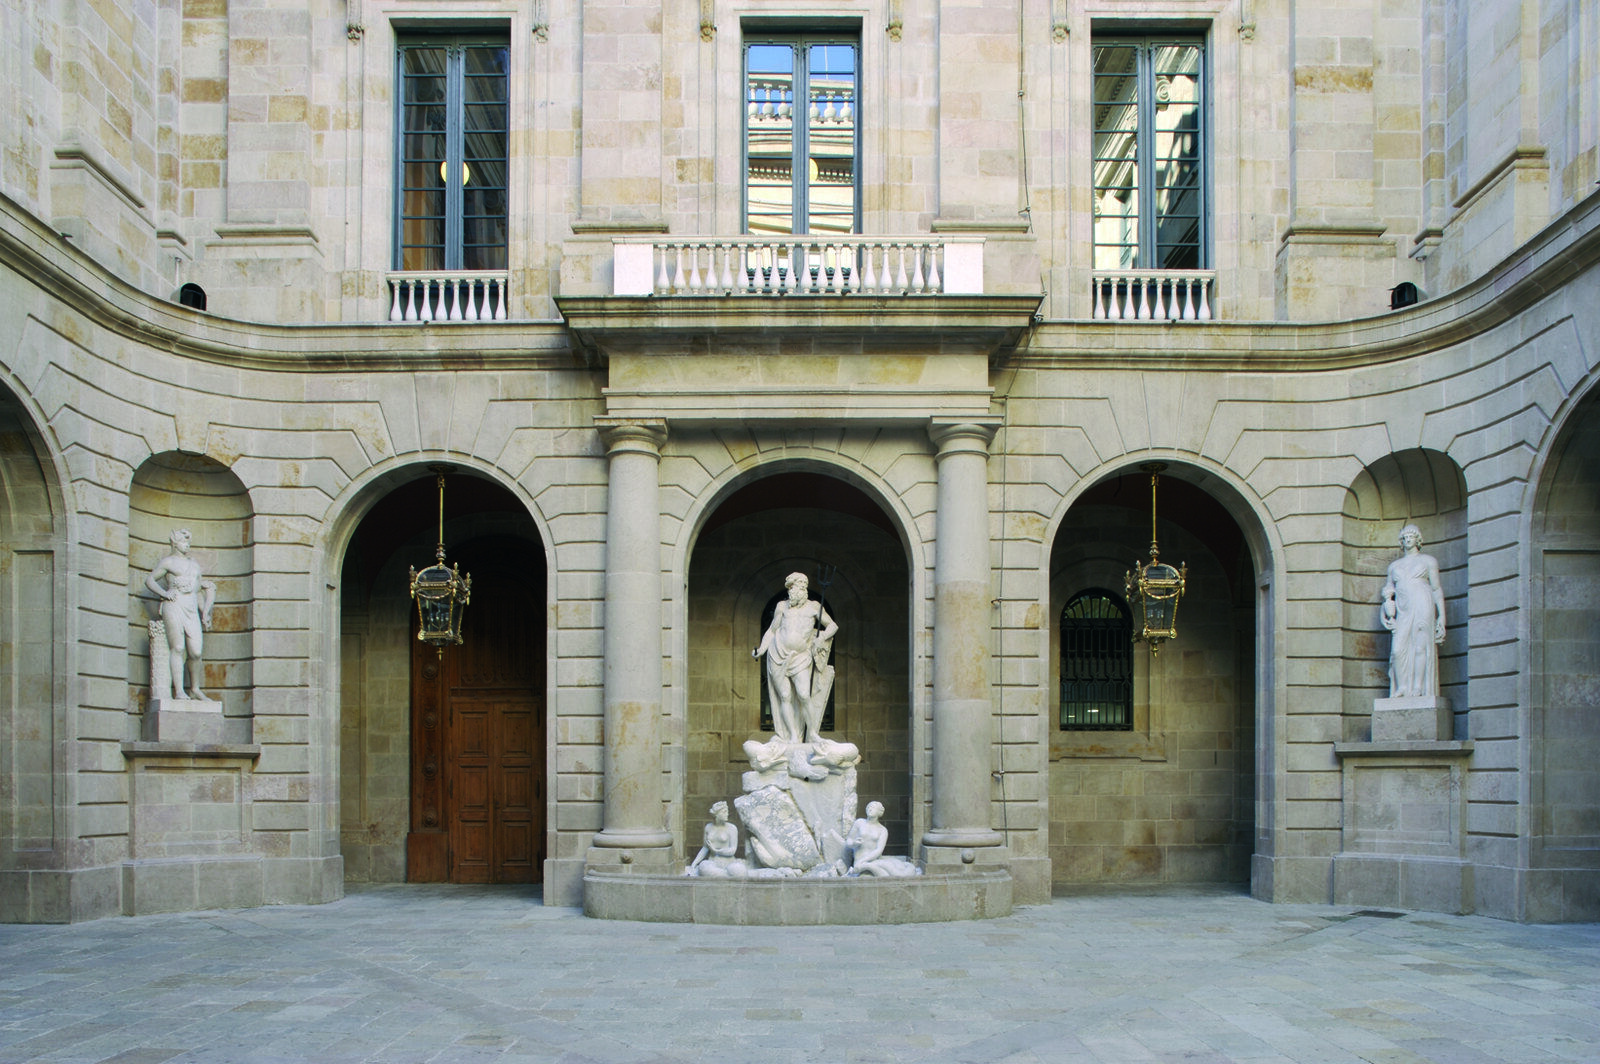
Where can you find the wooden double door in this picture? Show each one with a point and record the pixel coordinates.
(478, 738)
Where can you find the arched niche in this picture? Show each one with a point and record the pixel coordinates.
(799, 521)
(174, 490)
(32, 726)
(1170, 795)
(404, 784)
(1564, 875)
(1424, 488)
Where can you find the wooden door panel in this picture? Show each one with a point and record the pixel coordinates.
(484, 699)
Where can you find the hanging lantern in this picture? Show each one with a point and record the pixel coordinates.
(442, 594)
(1155, 588)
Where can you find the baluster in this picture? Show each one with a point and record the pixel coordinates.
(663, 281)
(454, 287)
(869, 278)
(395, 313)
(727, 268)
(695, 282)
(934, 283)
(427, 300)
(916, 267)
(1099, 303)
(797, 266)
(1204, 313)
(411, 300)
(470, 312)
(900, 281)
(678, 278)
(1119, 291)
(1144, 299)
(1188, 299)
(1159, 311)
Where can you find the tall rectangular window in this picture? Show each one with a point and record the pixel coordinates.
(1149, 128)
(450, 213)
(801, 143)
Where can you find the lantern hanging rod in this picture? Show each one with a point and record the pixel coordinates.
(1154, 469)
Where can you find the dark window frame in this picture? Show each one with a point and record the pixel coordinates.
(454, 246)
(1096, 654)
(1151, 252)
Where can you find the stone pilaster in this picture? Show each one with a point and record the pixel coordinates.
(961, 594)
(632, 831)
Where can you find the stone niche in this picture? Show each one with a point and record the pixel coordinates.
(191, 763)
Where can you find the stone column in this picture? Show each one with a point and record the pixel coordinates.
(632, 834)
(962, 711)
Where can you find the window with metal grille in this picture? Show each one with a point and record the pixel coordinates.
(801, 140)
(1096, 663)
(450, 213)
(1149, 130)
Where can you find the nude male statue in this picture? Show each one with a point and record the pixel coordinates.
(791, 646)
(186, 601)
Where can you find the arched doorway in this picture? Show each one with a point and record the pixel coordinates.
(1152, 757)
(833, 532)
(443, 756)
(33, 800)
(1564, 824)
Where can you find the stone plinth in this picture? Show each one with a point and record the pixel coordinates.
(977, 895)
(1414, 719)
(183, 720)
(1403, 839)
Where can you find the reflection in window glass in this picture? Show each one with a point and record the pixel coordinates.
(454, 147)
(1149, 155)
(800, 176)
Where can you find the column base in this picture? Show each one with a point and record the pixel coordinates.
(945, 856)
(648, 858)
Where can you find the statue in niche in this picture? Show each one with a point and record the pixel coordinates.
(186, 600)
(864, 848)
(1413, 609)
(716, 858)
(797, 645)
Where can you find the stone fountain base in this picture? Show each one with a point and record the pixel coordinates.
(979, 894)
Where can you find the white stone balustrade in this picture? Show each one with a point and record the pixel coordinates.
(1154, 295)
(832, 265)
(447, 295)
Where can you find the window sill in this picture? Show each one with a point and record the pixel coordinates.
(1128, 745)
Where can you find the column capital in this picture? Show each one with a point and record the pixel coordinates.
(962, 435)
(640, 436)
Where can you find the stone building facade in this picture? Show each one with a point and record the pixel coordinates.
(913, 310)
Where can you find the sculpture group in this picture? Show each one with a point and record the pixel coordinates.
(799, 802)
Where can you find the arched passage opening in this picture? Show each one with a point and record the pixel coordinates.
(443, 756)
(1152, 756)
(820, 525)
(32, 730)
(1564, 858)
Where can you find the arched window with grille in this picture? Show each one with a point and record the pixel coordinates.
(1096, 663)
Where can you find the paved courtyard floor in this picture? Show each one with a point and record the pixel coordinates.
(410, 974)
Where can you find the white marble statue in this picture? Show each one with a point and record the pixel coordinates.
(865, 844)
(186, 601)
(799, 678)
(1413, 609)
(718, 857)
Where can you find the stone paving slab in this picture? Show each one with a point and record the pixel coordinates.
(422, 974)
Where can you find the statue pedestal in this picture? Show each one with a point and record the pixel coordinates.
(183, 720)
(1424, 718)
